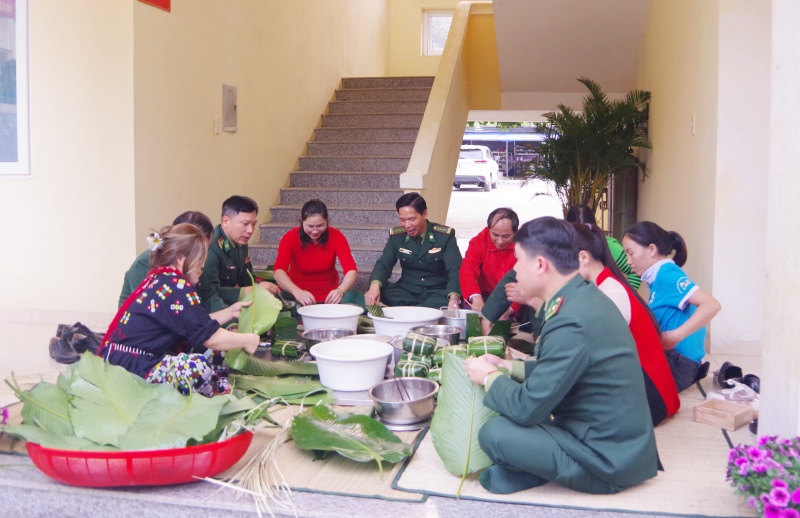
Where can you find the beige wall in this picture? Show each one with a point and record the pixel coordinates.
(285, 58)
(679, 68)
(69, 228)
(405, 30)
(482, 62)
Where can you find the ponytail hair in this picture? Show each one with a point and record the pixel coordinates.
(175, 241)
(591, 239)
(647, 233)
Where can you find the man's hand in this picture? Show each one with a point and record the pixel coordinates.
(486, 326)
(455, 302)
(272, 288)
(496, 361)
(373, 294)
(514, 293)
(669, 339)
(477, 369)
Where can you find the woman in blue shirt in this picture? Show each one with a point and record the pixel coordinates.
(681, 307)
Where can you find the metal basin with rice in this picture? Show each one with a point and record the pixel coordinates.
(398, 320)
(351, 365)
(392, 405)
(439, 332)
(457, 318)
(339, 316)
(315, 336)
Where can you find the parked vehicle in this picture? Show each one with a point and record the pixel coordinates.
(476, 166)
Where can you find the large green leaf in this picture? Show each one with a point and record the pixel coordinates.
(107, 399)
(171, 420)
(458, 418)
(354, 436)
(45, 405)
(239, 360)
(34, 434)
(261, 314)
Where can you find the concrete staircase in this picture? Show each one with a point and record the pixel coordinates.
(353, 165)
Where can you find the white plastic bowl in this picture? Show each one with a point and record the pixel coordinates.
(320, 316)
(404, 318)
(351, 365)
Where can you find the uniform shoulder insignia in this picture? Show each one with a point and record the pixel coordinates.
(220, 242)
(553, 308)
(397, 230)
(443, 229)
(224, 244)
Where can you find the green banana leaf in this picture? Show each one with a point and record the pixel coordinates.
(285, 329)
(473, 323)
(262, 313)
(458, 418)
(357, 437)
(34, 434)
(291, 388)
(171, 420)
(107, 399)
(45, 405)
(239, 360)
(502, 328)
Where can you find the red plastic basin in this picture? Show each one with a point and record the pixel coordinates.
(139, 468)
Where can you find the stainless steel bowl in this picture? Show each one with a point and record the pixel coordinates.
(315, 336)
(449, 333)
(394, 407)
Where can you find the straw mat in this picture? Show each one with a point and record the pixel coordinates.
(693, 484)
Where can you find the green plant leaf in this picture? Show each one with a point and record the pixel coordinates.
(459, 416)
(261, 314)
(502, 328)
(171, 420)
(354, 436)
(107, 399)
(285, 329)
(45, 406)
(271, 387)
(473, 323)
(239, 360)
(34, 434)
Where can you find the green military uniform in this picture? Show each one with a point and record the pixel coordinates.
(578, 414)
(134, 276)
(225, 272)
(430, 266)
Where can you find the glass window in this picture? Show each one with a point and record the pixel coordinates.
(436, 25)
(14, 87)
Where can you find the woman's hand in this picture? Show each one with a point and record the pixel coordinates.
(251, 343)
(477, 369)
(477, 303)
(224, 316)
(272, 288)
(304, 297)
(669, 339)
(334, 297)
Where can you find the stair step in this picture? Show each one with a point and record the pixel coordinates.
(371, 163)
(365, 134)
(377, 120)
(387, 82)
(333, 195)
(345, 148)
(383, 94)
(365, 256)
(385, 180)
(363, 233)
(376, 214)
(373, 107)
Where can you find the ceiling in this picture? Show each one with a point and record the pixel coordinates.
(545, 45)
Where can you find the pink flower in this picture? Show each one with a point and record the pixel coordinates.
(779, 496)
(772, 511)
(790, 513)
(752, 501)
(796, 496)
(780, 483)
(756, 453)
(759, 467)
(4, 416)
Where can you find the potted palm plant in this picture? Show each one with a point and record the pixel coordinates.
(583, 150)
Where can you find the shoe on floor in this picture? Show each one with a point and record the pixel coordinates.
(702, 372)
(728, 371)
(82, 343)
(752, 381)
(62, 352)
(501, 481)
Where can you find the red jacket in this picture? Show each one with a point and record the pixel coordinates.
(484, 265)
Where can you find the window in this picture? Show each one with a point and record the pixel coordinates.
(435, 26)
(14, 158)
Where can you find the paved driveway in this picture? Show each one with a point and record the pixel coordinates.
(469, 207)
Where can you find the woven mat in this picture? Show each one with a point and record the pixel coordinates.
(694, 455)
(335, 475)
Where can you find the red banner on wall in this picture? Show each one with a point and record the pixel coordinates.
(161, 4)
(8, 8)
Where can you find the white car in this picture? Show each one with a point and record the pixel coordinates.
(476, 166)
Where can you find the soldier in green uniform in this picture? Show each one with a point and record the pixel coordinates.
(225, 273)
(577, 415)
(141, 266)
(428, 255)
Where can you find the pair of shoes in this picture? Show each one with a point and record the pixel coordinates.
(753, 426)
(62, 352)
(79, 337)
(752, 381)
(726, 373)
(702, 372)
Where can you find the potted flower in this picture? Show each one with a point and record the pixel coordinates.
(768, 475)
(583, 150)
